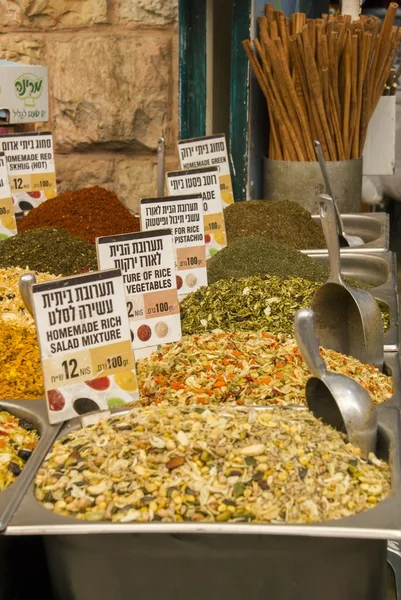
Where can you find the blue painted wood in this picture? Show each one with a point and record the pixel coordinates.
(239, 98)
(192, 68)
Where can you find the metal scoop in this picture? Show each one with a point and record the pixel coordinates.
(345, 239)
(347, 319)
(336, 399)
(24, 284)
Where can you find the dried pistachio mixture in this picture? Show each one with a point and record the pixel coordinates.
(243, 368)
(164, 463)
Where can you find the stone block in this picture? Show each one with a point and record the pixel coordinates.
(154, 12)
(77, 171)
(111, 92)
(25, 48)
(52, 14)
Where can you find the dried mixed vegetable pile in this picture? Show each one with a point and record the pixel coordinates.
(243, 368)
(164, 463)
(18, 439)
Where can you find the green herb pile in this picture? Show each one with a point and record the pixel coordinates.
(283, 222)
(247, 304)
(266, 303)
(257, 255)
(48, 250)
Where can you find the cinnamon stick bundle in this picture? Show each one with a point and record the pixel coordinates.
(322, 79)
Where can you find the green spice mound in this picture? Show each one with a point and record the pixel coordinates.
(257, 255)
(48, 250)
(285, 223)
(247, 304)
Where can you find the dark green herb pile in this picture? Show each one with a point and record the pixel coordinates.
(257, 255)
(285, 223)
(247, 304)
(48, 250)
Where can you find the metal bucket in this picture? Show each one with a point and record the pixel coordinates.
(178, 567)
(302, 182)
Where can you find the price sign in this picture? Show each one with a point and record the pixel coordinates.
(209, 151)
(83, 330)
(146, 260)
(184, 216)
(8, 224)
(206, 182)
(31, 168)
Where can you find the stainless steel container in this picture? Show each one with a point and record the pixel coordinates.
(378, 270)
(302, 182)
(373, 228)
(336, 560)
(35, 412)
(16, 557)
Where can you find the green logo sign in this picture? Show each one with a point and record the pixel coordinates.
(28, 87)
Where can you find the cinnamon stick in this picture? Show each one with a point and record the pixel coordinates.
(316, 90)
(354, 93)
(269, 11)
(345, 95)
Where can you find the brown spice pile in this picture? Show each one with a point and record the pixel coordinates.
(20, 370)
(88, 213)
(285, 223)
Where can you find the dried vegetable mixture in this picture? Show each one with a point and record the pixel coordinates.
(246, 368)
(87, 213)
(168, 464)
(20, 370)
(48, 250)
(17, 442)
(266, 303)
(285, 223)
(12, 308)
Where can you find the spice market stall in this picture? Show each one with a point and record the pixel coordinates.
(219, 479)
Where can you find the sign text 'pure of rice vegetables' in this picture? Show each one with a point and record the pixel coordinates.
(147, 263)
(184, 216)
(206, 182)
(8, 224)
(31, 168)
(83, 330)
(209, 151)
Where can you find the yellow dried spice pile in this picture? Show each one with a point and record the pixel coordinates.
(20, 370)
(12, 308)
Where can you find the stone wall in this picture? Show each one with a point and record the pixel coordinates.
(113, 85)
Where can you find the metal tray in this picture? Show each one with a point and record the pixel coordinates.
(381, 523)
(373, 228)
(392, 367)
(35, 412)
(379, 270)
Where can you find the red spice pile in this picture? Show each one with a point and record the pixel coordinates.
(88, 213)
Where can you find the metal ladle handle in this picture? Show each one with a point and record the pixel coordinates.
(25, 288)
(161, 154)
(327, 183)
(308, 343)
(328, 219)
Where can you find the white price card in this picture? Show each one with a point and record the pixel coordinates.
(146, 260)
(206, 182)
(85, 344)
(8, 224)
(209, 151)
(184, 216)
(31, 168)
